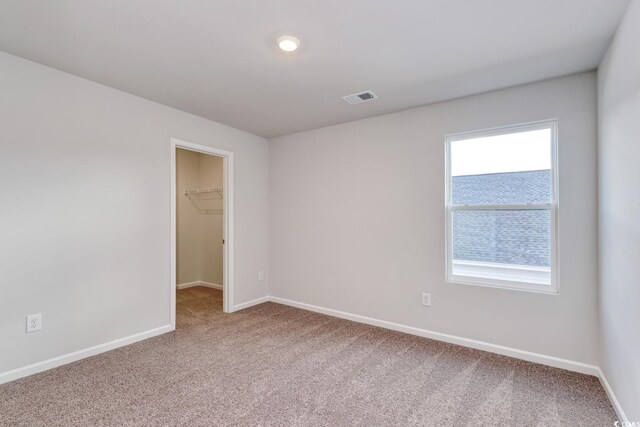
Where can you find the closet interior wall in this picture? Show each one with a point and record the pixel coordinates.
(199, 235)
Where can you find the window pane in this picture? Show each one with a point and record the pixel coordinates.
(511, 169)
(509, 245)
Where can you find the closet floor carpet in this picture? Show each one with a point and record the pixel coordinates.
(276, 365)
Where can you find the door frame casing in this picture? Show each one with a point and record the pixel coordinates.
(227, 223)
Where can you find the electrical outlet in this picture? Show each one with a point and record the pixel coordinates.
(260, 275)
(34, 322)
(426, 299)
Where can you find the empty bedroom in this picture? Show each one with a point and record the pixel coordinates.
(320, 213)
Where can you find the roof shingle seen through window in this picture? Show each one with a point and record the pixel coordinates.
(502, 188)
(505, 237)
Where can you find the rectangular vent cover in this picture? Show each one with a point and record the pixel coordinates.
(359, 98)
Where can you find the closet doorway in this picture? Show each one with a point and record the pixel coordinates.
(201, 230)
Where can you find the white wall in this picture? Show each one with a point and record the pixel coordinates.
(357, 221)
(619, 209)
(199, 236)
(85, 211)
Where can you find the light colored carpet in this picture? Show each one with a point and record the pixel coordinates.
(276, 365)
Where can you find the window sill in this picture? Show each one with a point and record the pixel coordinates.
(502, 276)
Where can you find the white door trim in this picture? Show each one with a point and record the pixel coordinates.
(227, 269)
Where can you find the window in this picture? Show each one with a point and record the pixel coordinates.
(501, 207)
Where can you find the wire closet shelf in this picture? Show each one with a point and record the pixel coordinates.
(203, 199)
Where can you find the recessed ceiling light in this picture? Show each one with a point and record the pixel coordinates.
(288, 43)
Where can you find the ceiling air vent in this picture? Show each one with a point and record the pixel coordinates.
(359, 98)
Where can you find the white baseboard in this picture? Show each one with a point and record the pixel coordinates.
(555, 362)
(198, 283)
(251, 303)
(211, 285)
(612, 397)
(80, 354)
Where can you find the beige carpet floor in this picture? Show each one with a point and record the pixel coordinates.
(280, 366)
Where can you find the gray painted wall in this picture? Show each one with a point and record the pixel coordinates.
(619, 200)
(85, 218)
(357, 221)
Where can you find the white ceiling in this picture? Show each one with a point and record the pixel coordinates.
(218, 59)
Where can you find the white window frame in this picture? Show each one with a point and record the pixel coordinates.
(552, 207)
